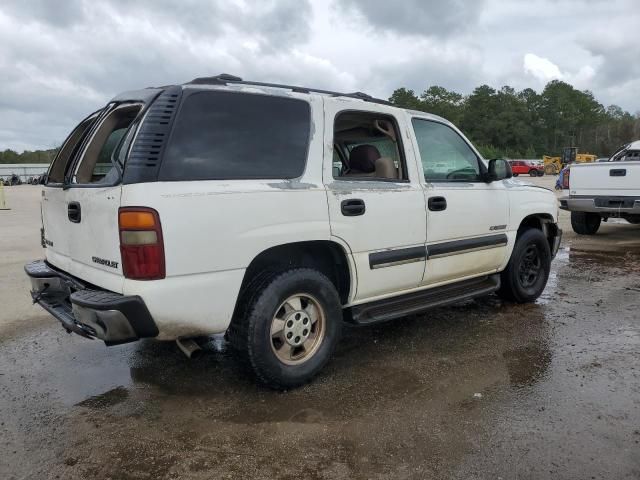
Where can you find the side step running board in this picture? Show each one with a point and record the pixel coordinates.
(390, 308)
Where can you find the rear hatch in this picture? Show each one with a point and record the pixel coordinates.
(614, 179)
(81, 197)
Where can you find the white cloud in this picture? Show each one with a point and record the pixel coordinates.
(58, 64)
(541, 68)
(544, 70)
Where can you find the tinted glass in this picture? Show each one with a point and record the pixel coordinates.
(445, 156)
(104, 167)
(226, 135)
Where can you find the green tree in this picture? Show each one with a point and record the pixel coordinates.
(445, 103)
(406, 99)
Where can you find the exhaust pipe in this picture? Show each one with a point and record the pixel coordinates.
(189, 347)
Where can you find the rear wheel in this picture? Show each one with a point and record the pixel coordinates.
(287, 326)
(585, 223)
(528, 269)
(515, 174)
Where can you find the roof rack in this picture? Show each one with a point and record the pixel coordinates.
(225, 79)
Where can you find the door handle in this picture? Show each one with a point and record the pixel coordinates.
(352, 207)
(74, 212)
(618, 172)
(437, 204)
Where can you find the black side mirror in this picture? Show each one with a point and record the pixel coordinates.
(499, 169)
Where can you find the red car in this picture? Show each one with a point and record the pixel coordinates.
(526, 167)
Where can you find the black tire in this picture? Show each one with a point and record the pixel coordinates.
(541, 173)
(584, 223)
(533, 173)
(250, 329)
(528, 269)
(515, 174)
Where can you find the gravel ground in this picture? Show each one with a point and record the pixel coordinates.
(484, 389)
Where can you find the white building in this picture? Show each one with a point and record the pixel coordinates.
(23, 170)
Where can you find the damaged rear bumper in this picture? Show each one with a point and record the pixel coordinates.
(89, 311)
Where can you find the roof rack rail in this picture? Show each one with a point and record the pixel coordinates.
(225, 79)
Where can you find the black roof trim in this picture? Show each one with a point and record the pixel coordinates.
(225, 79)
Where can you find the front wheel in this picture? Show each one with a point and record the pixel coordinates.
(287, 326)
(528, 269)
(533, 173)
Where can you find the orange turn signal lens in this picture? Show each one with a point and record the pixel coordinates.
(137, 220)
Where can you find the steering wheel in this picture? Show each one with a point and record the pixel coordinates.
(463, 172)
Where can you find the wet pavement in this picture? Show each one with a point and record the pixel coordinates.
(483, 389)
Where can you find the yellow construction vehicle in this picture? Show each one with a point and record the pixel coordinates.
(553, 165)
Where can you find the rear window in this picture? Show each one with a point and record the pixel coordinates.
(228, 135)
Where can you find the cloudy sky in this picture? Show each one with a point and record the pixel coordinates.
(62, 60)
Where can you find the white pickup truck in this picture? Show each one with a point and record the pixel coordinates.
(274, 213)
(602, 190)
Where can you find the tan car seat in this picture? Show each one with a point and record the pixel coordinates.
(386, 168)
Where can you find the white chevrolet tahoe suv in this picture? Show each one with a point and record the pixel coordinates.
(602, 190)
(274, 213)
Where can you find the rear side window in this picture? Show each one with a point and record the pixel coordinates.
(96, 165)
(228, 135)
(69, 148)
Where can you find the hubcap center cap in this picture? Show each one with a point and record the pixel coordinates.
(297, 327)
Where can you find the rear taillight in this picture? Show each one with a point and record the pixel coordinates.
(565, 179)
(141, 244)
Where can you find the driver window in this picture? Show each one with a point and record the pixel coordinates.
(445, 156)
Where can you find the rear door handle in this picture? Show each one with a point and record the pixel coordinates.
(437, 204)
(352, 207)
(74, 212)
(618, 172)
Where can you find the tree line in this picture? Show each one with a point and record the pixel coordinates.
(28, 156)
(526, 124)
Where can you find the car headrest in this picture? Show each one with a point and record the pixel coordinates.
(363, 159)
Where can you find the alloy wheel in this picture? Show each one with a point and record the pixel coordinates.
(297, 329)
